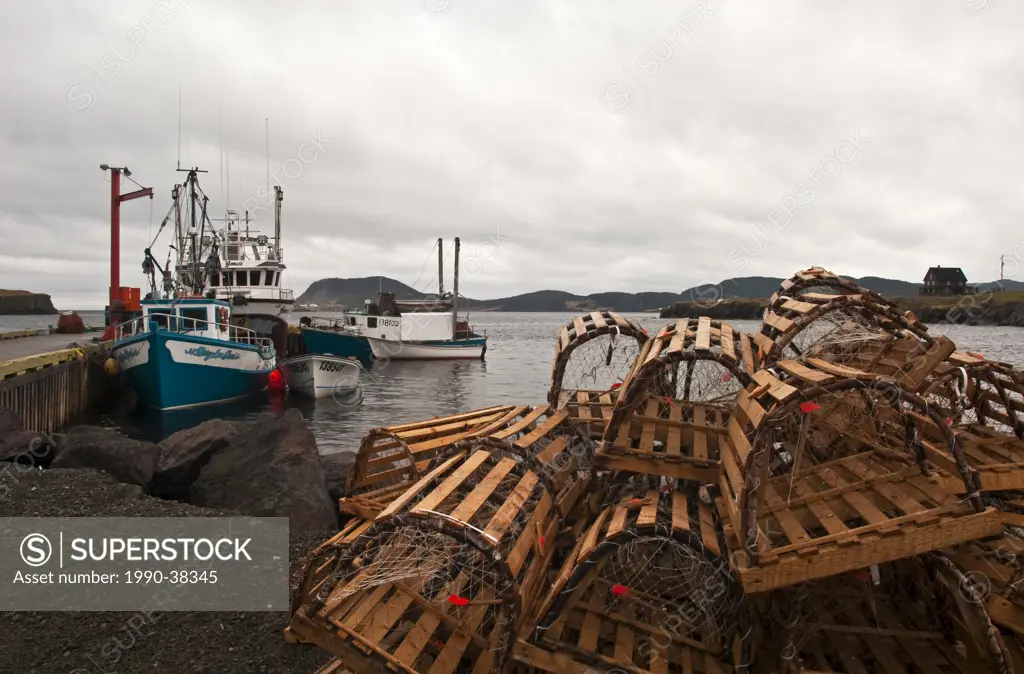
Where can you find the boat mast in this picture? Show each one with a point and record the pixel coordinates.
(440, 270)
(278, 198)
(455, 292)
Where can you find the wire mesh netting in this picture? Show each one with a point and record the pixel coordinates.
(429, 584)
(884, 616)
(597, 365)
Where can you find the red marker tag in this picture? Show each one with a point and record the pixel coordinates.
(542, 541)
(439, 644)
(727, 376)
(615, 386)
(457, 600)
(949, 421)
(862, 575)
(620, 590)
(809, 406)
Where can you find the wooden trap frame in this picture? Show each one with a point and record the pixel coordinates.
(671, 416)
(847, 330)
(645, 590)
(913, 615)
(982, 396)
(594, 352)
(451, 571)
(391, 459)
(994, 570)
(824, 473)
(818, 281)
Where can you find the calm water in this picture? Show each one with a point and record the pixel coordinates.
(520, 351)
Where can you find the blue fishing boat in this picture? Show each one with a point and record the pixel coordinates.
(342, 337)
(184, 353)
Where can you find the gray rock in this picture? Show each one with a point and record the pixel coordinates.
(271, 468)
(184, 454)
(129, 461)
(336, 467)
(10, 421)
(27, 447)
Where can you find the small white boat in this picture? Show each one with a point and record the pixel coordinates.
(319, 375)
(451, 349)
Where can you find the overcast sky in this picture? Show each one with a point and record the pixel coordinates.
(587, 146)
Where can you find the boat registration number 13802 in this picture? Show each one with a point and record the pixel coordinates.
(332, 367)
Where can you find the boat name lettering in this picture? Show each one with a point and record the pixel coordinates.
(126, 355)
(300, 367)
(332, 367)
(207, 354)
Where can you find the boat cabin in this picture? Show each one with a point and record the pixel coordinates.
(201, 317)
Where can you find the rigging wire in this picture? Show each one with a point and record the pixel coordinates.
(424, 268)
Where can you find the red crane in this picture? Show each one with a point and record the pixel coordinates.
(115, 231)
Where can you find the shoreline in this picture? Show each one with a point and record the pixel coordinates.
(983, 309)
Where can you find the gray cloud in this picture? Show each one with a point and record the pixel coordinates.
(489, 117)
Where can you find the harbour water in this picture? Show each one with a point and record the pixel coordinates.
(517, 370)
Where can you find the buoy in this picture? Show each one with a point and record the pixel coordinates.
(277, 382)
(111, 366)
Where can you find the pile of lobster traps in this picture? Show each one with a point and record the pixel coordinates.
(842, 491)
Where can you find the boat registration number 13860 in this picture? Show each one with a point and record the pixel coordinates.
(332, 367)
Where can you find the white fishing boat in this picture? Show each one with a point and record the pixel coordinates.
(230, 260)
(421, 330)
(319, 375)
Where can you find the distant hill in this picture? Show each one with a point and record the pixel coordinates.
(22, 302)
(352, 293)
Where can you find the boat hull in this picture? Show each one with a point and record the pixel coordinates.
(320, 376)
(457, 349)
(170, 370)
(339, 344)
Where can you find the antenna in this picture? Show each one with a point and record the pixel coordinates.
(179, 126)
(227, 170)
(266, 121)
(220, 148)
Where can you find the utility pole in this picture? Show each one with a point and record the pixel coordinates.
(1001, 264)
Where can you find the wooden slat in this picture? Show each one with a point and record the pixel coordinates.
(805, 373)
(728, 342)
(680, 516)
(451, 483)
(703, 341)
(414, 490)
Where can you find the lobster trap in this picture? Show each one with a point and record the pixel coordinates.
(818, 281)
(391, 459)
(823, 474)
(914, 615)
(593, 354)
(844, 330)
(450, 571)
(670, 417)
(647, 589)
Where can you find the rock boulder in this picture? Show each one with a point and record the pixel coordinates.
(184, 454)
(129, 461)
(27, 447)
(336, 467)
(270, 468)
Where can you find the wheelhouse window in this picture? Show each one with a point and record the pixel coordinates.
(254, 278)
(194, 318)
(268, 278)
(164, 318)
(226, 278)
(371, 321)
